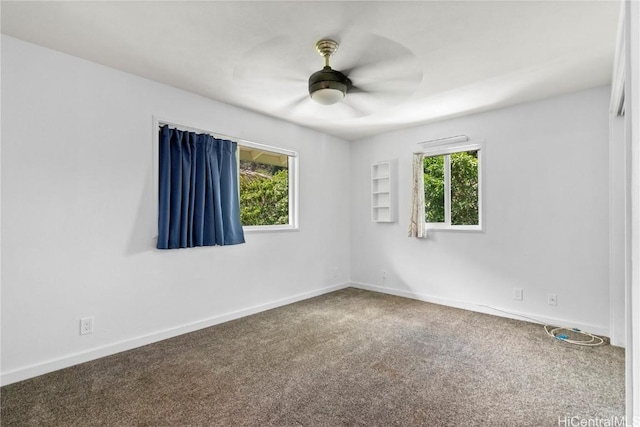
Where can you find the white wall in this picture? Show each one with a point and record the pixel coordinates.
(77, 205)
(546, 215)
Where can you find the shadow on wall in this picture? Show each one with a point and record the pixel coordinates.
(140, 239)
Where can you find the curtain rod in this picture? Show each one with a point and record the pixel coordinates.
(447, 140)
(435, 143)
(243, 142)
(208, 132)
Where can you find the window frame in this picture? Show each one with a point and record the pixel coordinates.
(292, 168)
(446, 149)
(157, 122)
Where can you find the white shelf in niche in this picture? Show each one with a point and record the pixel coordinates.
(381, 192)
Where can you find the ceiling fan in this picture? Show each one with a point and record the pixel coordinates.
(375, 73)
(328, 86)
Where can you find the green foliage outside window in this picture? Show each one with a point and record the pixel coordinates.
(464, 188)
(264, 194)
(434, 188)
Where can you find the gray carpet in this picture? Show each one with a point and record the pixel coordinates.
(351, 357)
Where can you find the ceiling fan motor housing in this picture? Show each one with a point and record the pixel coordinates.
(328, 78)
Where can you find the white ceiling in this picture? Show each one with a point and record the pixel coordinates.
(418, 61)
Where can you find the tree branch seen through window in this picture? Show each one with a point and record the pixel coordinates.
(451, 188)
(264, 194)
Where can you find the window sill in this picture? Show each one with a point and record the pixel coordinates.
(446, 227)
(250, 229)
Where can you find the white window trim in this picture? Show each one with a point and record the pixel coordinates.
(439, 149)
(157, 122)
(293, 189)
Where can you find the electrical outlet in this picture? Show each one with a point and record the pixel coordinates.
(86, 325)
(335, 273)
(517, 294)
(384, 277)
(552, 299)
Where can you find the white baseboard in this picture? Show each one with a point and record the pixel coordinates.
(96, 353)
(496, 311)
(107, 350)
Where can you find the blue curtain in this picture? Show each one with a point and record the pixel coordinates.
(198, 191)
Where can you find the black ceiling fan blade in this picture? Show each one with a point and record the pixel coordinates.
(364, 103)
(294, 104)
(388, 64)
(369, 52)
(358, 109)
(356, 89)
(391, 86)
(278, 59)
(345, 110)
(369, 98)
(389, 72)
(358, 49)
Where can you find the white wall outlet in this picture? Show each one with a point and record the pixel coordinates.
(384, 277)
(335, 273)
(517, 294)
(552, 299)
(86, 325)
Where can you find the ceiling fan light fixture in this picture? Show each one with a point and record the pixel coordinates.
(328, 86)
(327, 96)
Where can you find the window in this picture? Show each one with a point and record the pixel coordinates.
(452, 188)
(267, 187)
(267, 182)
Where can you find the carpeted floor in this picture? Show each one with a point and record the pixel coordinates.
(350, 357)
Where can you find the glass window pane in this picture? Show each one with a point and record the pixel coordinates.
(264, 187)
(464, 188)
(434, 189)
